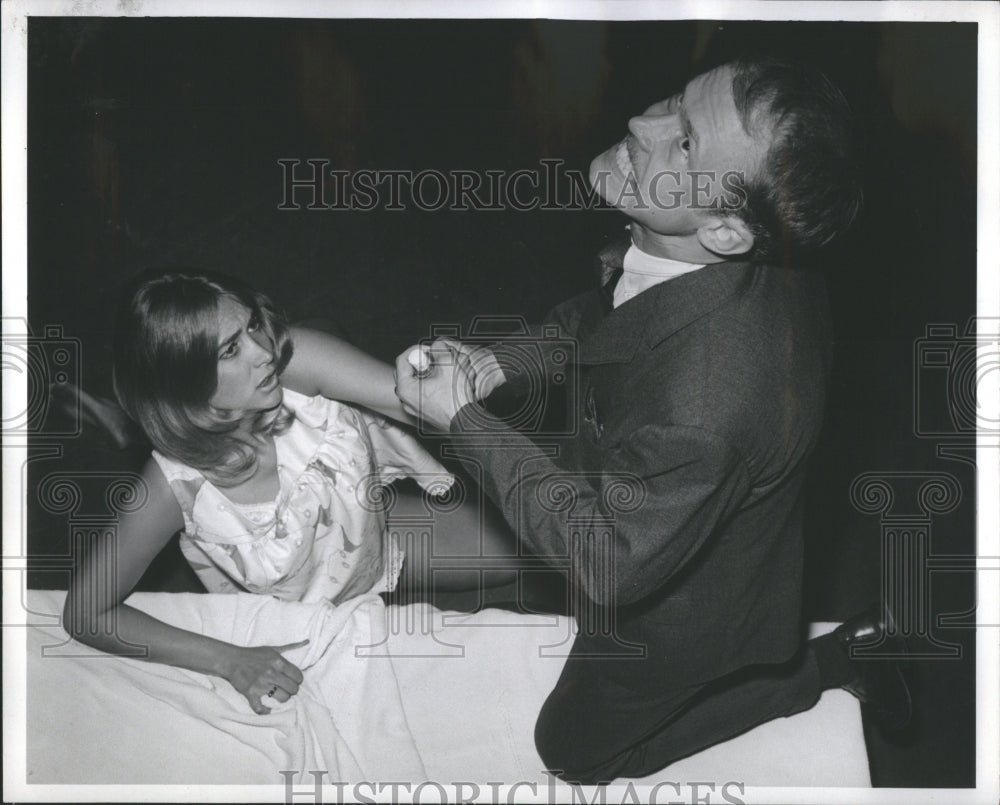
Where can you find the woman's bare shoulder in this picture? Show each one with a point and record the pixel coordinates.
(159, 507)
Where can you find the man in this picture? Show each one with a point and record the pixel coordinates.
(702, 370)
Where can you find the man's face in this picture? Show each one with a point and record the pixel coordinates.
(677, 162)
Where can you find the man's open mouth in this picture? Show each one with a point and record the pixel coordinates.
(624, 160)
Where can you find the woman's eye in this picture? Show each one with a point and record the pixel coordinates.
(230, 351)
(254, 324)
(686, 144)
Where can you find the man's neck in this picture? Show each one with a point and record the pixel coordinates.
(685, 248)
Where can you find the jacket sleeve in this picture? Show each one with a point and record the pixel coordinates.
(530, 358)
(627, 529)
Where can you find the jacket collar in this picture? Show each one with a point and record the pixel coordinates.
(660, 311)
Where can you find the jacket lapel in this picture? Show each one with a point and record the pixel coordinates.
(610, 261)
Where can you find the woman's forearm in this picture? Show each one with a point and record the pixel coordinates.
(255, 672)
(324, 364)
(128, 632)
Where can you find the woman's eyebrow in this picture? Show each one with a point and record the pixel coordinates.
(227, 341)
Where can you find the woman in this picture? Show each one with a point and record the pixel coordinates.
(274, 483)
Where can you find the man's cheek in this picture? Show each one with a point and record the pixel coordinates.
(665, 190)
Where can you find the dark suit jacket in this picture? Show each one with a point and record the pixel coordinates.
(699, 402)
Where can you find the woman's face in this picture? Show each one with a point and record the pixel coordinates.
(247, 376)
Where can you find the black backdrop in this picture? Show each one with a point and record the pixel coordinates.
(156, 141)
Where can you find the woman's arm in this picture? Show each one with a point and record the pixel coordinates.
(95, 615)
(327, 365)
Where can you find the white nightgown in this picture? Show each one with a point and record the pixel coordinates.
(324, 536)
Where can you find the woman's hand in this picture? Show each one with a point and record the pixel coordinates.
(259, 671)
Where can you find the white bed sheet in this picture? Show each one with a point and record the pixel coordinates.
(391, 694)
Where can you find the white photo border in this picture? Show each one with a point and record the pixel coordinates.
(15, 14)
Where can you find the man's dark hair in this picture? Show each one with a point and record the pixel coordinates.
(807, 189)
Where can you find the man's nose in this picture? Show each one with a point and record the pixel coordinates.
(649, 129)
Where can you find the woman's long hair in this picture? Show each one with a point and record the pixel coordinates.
(166, 371)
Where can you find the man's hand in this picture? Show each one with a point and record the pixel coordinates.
(487, 374)
(450, 384)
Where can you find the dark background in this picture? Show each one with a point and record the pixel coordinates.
(154, 142)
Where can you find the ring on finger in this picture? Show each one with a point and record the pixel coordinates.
(272, 691)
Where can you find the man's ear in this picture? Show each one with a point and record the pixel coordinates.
(727, 236)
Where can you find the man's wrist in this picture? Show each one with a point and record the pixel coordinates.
(465, 418)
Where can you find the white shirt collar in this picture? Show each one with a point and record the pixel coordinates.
(641, 271)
